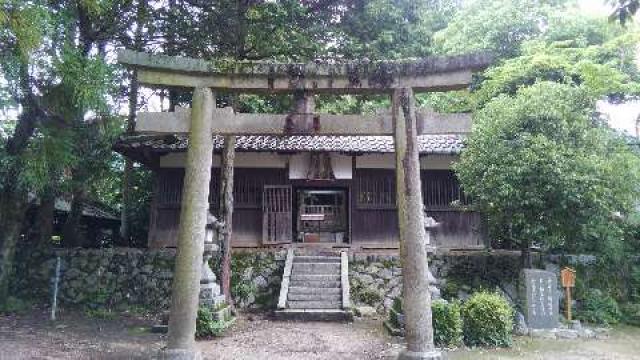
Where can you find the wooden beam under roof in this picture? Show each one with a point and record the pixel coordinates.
(425, 74)
(226, 122)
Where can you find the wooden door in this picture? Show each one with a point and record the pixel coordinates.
(277, 225)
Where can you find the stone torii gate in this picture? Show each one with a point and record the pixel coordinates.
(404, 122)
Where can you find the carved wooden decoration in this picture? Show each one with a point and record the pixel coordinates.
(320, 167)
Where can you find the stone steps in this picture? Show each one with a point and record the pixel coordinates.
(316, 259)
(314, 315)
(314, 277)
(314, 304)
(315, 284)
(337, 297)
(315, 268)
(314, 290)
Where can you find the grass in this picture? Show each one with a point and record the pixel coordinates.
(621, 345)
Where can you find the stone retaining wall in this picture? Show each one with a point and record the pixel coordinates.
(125, 277)
(377, 279)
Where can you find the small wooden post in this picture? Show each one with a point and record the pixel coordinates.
(191, 233)
(568, 279)
(568, 306)
(413, 249)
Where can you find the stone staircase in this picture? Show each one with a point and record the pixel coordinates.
(315, 288)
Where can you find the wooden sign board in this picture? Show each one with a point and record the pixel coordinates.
(312, 217)
(568, 277)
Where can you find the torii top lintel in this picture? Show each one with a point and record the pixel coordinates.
(425, 74)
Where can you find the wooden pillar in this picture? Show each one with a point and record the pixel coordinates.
(191, 233)
(413, 250)
(226, 213)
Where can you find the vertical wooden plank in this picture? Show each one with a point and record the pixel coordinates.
(153, 214)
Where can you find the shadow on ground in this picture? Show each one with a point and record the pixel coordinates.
(127, 336)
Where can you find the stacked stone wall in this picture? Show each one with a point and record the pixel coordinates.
(126, 277)
(377, 279)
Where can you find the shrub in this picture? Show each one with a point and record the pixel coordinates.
(487, 320)
(599, 308)
(397, 304)
(447, 323)
(631, 313)
(99, 313)
(206, 325)
(635, 283)
(13, 305)
(365, 294)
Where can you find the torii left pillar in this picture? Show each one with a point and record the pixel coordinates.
(191, 234)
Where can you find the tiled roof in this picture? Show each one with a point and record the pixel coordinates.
(428, 144)
(90, 209)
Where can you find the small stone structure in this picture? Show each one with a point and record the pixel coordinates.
(539, 300)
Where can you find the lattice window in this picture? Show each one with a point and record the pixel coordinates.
(375, 189)
(169, 191)
(441, 189)
(249, 184)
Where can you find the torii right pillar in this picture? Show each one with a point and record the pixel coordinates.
(413, 249)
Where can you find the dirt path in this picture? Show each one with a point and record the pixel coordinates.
(75, 336)
(275, 340)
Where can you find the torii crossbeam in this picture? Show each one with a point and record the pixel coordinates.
(404, 122)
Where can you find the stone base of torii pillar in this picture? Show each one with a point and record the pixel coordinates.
(430, 225)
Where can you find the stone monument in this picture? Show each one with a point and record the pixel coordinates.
(540, 301)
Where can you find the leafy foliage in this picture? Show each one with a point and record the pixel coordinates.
(488, 320)
(599, 308)
(624, 9)
(447, 323)
(499, 26)
(207, 326)
(542, 173)
(631, 313)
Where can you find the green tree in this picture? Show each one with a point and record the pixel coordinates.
(498, 26)
(53, 67)
(623, 10)
(543, 172)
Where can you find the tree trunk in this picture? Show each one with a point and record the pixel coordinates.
(71, 235)
(128, 165)
(44, 220)
(525, 254)
(126, 195)
(226, 214)
(13, 199)
(138, 44)
(13, 206)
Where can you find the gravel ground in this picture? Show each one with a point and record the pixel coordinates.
(75, 336)
(255, 337)
(279, 340)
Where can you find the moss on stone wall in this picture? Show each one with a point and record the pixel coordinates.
(136, 278)
(255, 278)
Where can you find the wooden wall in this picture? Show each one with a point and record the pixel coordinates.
(373, 217)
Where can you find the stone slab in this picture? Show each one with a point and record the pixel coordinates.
(413, 355)
(540, 303)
